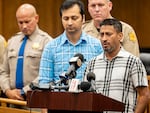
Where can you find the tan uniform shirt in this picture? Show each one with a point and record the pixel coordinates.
(129, 42)
(32, 55)
(2, 48)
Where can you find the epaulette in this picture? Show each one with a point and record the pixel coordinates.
(87, 21)
(19, 33)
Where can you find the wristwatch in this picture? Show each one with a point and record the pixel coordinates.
(22, 93)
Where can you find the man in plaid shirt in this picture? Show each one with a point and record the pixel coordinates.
(119, 74)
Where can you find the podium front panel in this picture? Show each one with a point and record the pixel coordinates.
(84, 101)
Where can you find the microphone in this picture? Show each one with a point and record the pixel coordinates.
(91, 79)
(35, 86)
(63, 79)
(91, 76)
(84, 86)
(75, 62)
(65, 87)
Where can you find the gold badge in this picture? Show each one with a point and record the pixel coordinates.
(132, 36)
(36, 45)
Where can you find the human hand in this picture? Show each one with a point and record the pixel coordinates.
(43, 110)
(14, 94)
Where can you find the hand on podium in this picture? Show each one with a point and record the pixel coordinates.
(44, 110)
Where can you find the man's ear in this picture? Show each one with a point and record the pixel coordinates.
(83, 20)
(110, 5)
(37, 18)
(120, 36)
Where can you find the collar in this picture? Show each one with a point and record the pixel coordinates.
(92, 26)
(64, 39)
(122, 53)
(32, 36)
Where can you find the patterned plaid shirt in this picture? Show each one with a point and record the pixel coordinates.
(57, 53)
(119, 77)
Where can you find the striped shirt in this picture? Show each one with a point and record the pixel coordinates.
(57, 53)
(119, 77)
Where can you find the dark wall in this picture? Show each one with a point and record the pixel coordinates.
(134, 12)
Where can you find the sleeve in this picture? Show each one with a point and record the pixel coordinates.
(130, 41)
(139, 75)
(2, 48)
(4, 73)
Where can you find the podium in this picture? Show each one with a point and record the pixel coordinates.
(72, 102)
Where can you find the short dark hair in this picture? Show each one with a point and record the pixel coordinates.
(69, 3)
(114, 22)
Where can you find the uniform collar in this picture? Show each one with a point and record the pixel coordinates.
(32, 36)
(92, 28)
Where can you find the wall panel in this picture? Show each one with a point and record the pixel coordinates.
(134, 12)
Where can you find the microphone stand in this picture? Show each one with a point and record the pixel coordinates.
(72, 75)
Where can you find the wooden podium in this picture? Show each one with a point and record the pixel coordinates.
(72, 102)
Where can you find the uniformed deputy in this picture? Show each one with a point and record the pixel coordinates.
(27, 19)
(2, 48)
(100, 10)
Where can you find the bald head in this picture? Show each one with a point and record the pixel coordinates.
(26, 8)
(105, 0)
(27, 18)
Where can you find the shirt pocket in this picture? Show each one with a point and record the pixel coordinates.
(12, 58)
(33, 58)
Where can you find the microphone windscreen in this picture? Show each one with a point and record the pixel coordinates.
(85, 86)
(33, 86)
(90, 76)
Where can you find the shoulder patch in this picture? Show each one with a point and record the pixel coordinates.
(132, 36)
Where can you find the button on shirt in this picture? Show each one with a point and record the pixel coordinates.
(57, 53)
